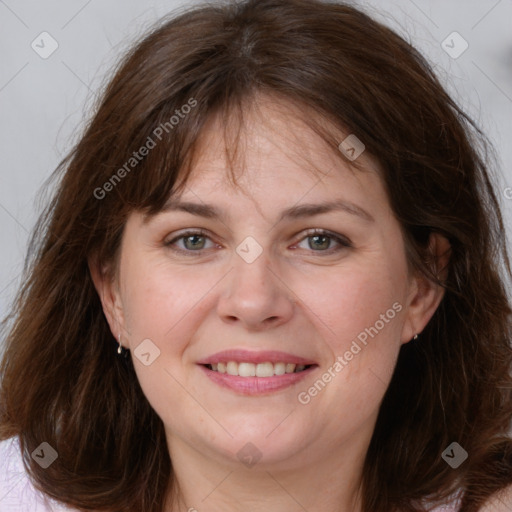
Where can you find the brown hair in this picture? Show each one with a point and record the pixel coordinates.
(62, 381)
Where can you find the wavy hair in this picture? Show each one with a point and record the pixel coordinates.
(61, 381)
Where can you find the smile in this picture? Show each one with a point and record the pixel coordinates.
(245, 369)
(256, 372)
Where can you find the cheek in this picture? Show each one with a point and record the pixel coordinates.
(158, 297)
(358, 316)
(358, 312)
(159, 302)
(349, 301)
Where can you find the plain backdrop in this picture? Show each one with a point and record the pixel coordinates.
(44, 102)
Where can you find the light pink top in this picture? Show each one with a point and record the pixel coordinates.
(17, 494)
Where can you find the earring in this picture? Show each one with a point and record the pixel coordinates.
(415, 337)
(120, 348)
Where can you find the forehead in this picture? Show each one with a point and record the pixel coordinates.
(273, 147)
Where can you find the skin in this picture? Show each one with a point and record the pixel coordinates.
(295, 297)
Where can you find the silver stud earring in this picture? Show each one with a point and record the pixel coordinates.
(415, 337)
(120, 348)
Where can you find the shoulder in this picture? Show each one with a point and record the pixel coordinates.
(499, 502)
(17, 494)
(452, 504)
(445, 508)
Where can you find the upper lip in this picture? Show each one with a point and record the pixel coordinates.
(246, 356)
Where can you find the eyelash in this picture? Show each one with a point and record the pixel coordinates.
(342, 241)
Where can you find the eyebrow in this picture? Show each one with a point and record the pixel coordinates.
(294, 212)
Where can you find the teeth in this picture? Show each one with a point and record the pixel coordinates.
(256, 370)
(232, 368)
(279, 368)
(264, 370)
(246, 370)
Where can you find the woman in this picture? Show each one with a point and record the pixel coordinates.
(323, 327)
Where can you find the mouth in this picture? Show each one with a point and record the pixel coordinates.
(256, 373)
(261, 370)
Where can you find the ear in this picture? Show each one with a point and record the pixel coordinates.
(425, 295)
(108, 290)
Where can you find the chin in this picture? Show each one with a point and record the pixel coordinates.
(268, 444)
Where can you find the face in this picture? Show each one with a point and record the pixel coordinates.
(304, 312)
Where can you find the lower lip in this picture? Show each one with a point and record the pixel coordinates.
(256, 385)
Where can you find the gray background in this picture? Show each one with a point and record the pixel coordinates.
(44, 102)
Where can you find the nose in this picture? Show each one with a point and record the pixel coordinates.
(255, 296)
